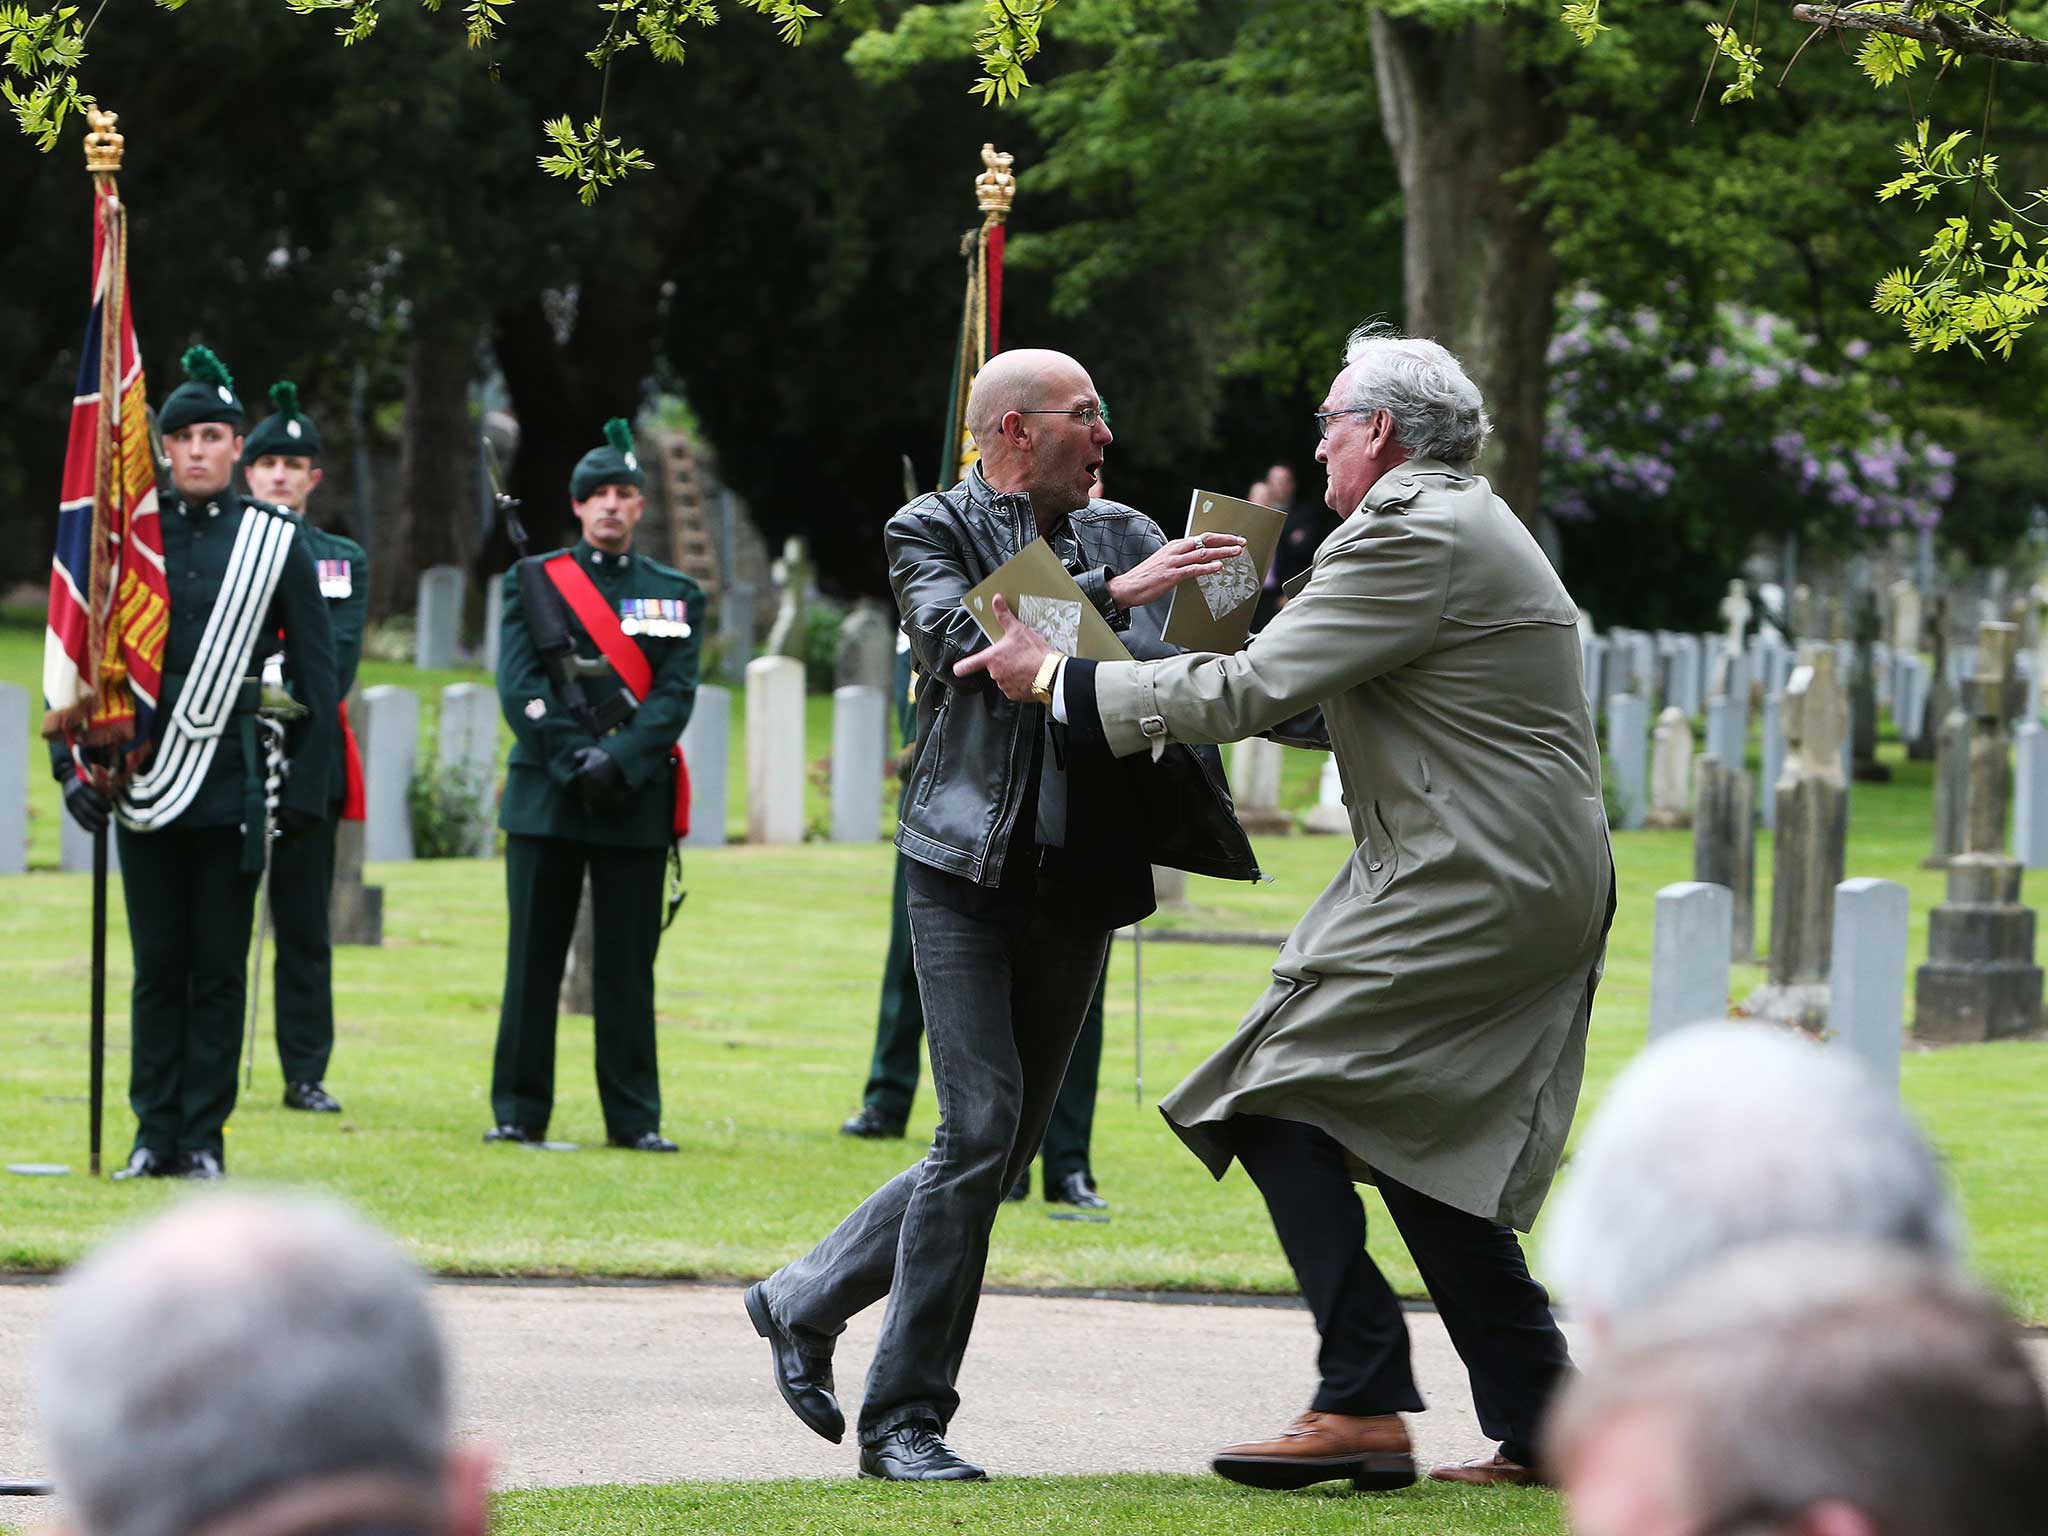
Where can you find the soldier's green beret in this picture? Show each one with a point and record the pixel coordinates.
(208, 394)
(288, 431)
(614, 464)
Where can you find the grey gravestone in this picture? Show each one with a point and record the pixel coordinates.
(1772, 763)
(1328, 816)
(1810, 845)
(2030, 796)
(494, 620)
(1255, 765)
(1724, 846)
(706, 741)
(1925, 744)
(390, 743)
(1643, 665)
(735, 631)
(469, 747)
(439, 617)
(775, 750)
(1592, 661)
(1685, 689)
(1169, 886)
(1867, 982)
(1863, 695)
(355, 911)
(1905, 625)
(792, 575)
(866, 657)
(860, 746)
(14, 779)
(1951, 788)
(1628, 719)
(1980, 982)
(1689, 957)
(578, 992)
(1671, 770)
(1723, 738)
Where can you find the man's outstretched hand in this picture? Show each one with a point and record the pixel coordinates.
(1175, 561)
(1013, 661)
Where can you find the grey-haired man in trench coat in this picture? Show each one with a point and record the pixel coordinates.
(1426, 1025)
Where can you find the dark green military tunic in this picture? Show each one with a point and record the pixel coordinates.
(189, 893)
(302, 867)
(552, 839)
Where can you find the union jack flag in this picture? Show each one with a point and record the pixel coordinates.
(109, 603)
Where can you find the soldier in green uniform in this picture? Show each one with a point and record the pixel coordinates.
(193, 822)
(281, 460)
(602, 800)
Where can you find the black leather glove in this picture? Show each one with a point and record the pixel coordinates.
(88, 807)
(599, 779)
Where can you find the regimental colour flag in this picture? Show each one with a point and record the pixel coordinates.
(109, 603)
(981, 316)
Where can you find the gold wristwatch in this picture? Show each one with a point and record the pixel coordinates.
(1041, 685)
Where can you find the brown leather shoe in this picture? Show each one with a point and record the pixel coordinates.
(1373, 1452)
(1494, 1471)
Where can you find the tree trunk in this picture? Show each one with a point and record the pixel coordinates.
(1462, 113)
(437, 510)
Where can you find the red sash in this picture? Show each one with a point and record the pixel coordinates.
(354, 807)
(601, 623)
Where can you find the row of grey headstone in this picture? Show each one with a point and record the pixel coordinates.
(1866, 977)
(776, 762)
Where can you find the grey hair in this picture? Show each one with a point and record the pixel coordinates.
(1795, 1373)
(1437, 409)
(234, 1346)
(1728, 1134)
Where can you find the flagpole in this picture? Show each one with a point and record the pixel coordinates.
(99, 993)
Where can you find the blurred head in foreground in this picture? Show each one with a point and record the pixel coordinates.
(252, 1365)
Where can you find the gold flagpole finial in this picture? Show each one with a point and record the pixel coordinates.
(995, 187)
(103, 142)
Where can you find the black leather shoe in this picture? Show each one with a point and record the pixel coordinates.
(914, 1453)
(1077, 1189)
(145, 1164)
(510, 1132)
(200, 1165)
(1021, 1190)
(804, 1380)
(312, 1097)
(872, 1125)
(646, 1141)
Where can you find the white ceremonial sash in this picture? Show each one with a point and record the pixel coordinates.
(163, 791)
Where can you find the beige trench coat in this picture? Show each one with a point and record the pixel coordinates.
(1430, 1010)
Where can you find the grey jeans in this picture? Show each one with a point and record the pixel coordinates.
(1003, 997)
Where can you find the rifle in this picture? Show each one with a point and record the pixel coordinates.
(547, 621)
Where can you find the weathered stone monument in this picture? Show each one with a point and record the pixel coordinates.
(706, 740)
(1925, 745)
(860, 747)
(389, 739)
(1685, 684)
(1735, 611)
(1688, 957)
(439, 616)
(1255, 765)
(1980, 981)
(1810, 847)
(1593, 662)
(792, 575)
(468, 747)
(1805, 625)
(1628, 721)
(866, 657)
(2030, 795)
(1772, 761)
(1863, 695)
(1671, 770)
(1905, 626)
(775, 750)
(1724, 846)
(1328, 816)
(735, 631)
(1867, 982)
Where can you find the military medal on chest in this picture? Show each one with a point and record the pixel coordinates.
(335, 579)
(658, 618)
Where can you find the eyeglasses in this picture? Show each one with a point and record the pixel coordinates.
(1086, 415)
(1323, 418)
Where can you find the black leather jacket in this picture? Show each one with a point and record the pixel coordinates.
(974, 746)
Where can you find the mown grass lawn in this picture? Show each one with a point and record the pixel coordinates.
(1024, 1506)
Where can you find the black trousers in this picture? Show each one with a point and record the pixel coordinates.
(190, 908)
(301, 886)
(899, 1027)
(543, 886)
(1498, 1317)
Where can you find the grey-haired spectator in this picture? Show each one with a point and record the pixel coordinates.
(1807, 1389)
(253, 1366)
(1724, 1135)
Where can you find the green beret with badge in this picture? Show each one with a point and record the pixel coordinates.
(616, 463)
(287, 432)
(208, 394)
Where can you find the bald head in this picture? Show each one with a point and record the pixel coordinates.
(1021, 412)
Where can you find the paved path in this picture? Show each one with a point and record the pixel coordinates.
(649, 1384)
